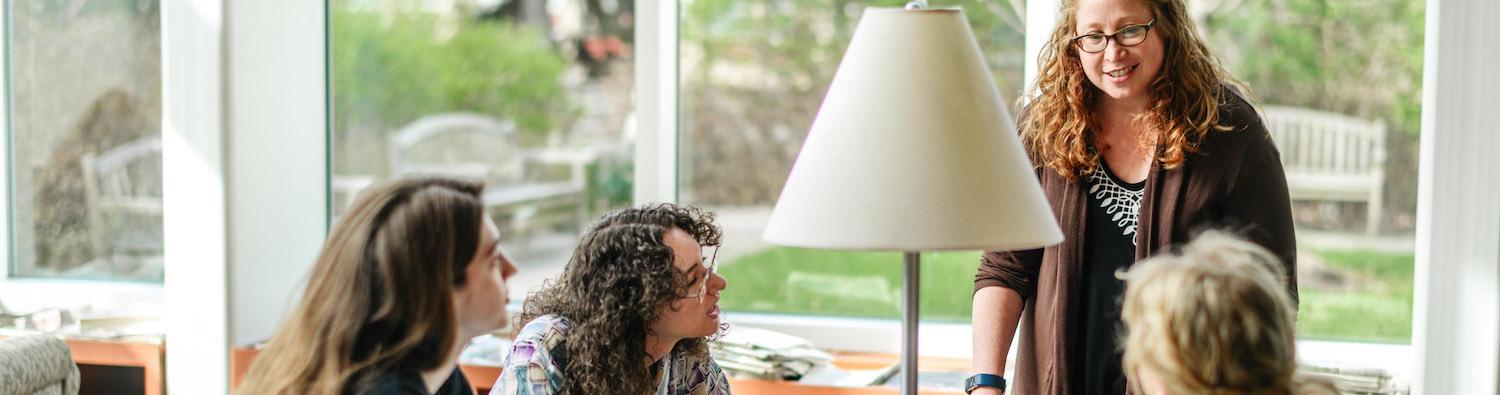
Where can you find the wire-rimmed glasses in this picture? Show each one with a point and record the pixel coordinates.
(711, 263)
(1128, 36)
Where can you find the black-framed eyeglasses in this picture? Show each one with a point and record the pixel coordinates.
(1128, 36)
(711, 263)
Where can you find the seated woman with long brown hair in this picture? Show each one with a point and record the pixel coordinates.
(406, 277)
(1214, 318)
(630, 313)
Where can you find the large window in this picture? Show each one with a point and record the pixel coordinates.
(752, 76)
(1341, 86)
(1339, 80)
(85, 139)
(531, 96)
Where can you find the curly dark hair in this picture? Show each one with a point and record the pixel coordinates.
(613, 288)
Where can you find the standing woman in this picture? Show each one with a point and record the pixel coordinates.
(406, 277)
(629, 315)
(1139, 139)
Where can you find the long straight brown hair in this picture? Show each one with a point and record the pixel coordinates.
(380, 298)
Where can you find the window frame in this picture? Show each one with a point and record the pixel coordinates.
(1041, 15)
(222, 79)
(18, 292)
(1457, 280)
(31, 293)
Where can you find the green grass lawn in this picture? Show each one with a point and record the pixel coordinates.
(1376, 309)
(868, 284)
(847, 284)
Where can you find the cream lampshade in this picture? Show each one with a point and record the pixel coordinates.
(913, 150)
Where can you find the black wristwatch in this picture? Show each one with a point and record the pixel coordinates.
(983, 380)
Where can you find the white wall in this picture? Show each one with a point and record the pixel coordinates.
(1458, 229)
(245, 185)
(1041, 18)
(278, 156)
(193, 227)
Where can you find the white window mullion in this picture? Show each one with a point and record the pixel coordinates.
(656, 101)
(5, 108)
(193, 185)
(278, 157)
(1041, 18)
(1458, 230)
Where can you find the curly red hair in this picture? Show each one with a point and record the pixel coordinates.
(1185, 96)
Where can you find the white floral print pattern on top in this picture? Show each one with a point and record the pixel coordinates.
(1123, 205)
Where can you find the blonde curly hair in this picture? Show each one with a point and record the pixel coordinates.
(1185, 96)
(1214, 318)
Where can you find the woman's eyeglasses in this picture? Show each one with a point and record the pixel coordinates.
(711, 263)
(1128, 36)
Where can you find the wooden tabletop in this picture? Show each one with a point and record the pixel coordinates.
(482, 377)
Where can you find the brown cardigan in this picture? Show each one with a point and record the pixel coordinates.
(1234, 182)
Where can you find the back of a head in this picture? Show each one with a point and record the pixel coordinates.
(379, 298)
(1212, 318)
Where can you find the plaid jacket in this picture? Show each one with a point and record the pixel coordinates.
(530, 367)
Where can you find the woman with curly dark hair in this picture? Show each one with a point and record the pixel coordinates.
(630, 313)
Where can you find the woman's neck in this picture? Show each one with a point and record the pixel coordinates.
(1123, 107)
(435, 377)
(658, 347)
(1127, 152)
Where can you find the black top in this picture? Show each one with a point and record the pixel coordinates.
(1113, 210)
(410, 383)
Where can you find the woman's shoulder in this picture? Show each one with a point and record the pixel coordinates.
(392, 383)
(698, 374)
(1240, 125)
(546, 328)
(536, 341)
(535, 359)
(1235, 109)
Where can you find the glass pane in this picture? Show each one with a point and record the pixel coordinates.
(85, 139)
(1351, 162)
(752, 75)
(531, 96)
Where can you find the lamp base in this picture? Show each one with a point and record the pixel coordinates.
(910, 313)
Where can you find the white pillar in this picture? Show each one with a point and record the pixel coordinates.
(656, 101)
(1041, 18)
(245, 161)
(1458, 221)
(278, 157)
(193, 185)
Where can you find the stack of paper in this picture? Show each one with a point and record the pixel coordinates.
(1356, 380)
(486, 350)
(760, 353)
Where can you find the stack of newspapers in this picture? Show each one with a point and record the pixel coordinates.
(760, 353)
(1357, 380)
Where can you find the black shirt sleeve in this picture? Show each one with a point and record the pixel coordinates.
(411, 384)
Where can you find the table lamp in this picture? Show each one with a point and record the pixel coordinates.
(912, 150)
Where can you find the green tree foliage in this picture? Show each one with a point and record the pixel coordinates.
(390, 69)
(1358, 57)
(754, 74)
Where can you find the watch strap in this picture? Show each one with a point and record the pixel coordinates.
(984, 380)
